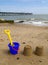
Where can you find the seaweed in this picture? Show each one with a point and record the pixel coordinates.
(6, 21)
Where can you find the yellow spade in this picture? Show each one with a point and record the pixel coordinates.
(9, 36)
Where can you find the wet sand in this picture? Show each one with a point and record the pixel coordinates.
(25, 35)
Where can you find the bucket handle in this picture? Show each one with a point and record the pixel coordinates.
(15, 49)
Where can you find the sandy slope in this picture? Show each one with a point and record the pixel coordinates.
(29, 34)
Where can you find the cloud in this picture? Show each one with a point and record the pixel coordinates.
(40, 10)
(34, 10)
(35, 6)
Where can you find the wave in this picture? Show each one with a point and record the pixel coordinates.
(37, 23)
(34, 21)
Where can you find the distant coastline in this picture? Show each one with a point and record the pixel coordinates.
(14, 13)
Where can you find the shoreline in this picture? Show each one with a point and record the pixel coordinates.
(22, 25)
(35, 23)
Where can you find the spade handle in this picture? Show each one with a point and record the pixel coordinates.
(9, 36)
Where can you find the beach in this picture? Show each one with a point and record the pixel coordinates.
(30, 35)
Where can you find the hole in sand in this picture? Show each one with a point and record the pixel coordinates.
(40, 61)
(24, 43)
(18, 58)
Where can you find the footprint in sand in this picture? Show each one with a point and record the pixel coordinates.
(1, 40)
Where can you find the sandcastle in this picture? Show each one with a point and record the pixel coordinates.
(39, 50)
(27, 50)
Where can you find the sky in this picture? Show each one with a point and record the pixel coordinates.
(31, 6)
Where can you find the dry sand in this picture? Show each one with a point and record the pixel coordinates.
(25, 35)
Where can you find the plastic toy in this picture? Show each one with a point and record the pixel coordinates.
(9, 36)
(13, 46)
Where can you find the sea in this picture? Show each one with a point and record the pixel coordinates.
(34, 19)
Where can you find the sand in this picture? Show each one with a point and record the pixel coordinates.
(25, 35)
